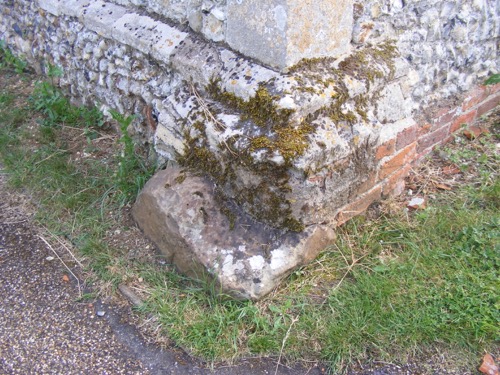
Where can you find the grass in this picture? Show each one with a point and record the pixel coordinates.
(395, 288)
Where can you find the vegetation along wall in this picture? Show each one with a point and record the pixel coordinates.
(279, 119)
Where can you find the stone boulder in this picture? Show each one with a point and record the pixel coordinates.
(182, 214)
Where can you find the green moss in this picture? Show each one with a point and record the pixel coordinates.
(292, 142)
(277, 210)
(260, 142)
(261, 108)
(267, 199)
(365, 64)
(180, 178)
(289, 142)
(309, 64)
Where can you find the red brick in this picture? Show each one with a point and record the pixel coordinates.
(424, 129)
(407, 136)
(385, 149)
(475, 97)
(423, 154)
(394, 184)
(443, 111)
(405, 156)
(488, 105)
(444, 119)
(365, 186)
(473, 132)
(359, 205)
(433, 139)
(465, 119)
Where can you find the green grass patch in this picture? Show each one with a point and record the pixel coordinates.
(388, 289)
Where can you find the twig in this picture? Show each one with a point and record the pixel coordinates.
(130, 295)
(67, 249)
(14, 222)
(50, 156)
(209, 116)
(55, 153)
(294, 320)
(349, 268)
(58, 257)
(206, 111)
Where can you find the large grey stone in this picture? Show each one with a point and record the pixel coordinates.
(247, 259)
(282, 32)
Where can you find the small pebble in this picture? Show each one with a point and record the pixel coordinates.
(100, 313)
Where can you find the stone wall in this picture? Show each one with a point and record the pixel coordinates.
(266, 162)
(450, 45)
(207, 17)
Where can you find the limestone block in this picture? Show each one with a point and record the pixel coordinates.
(213, 26)
(100, 16)
(241, 76)
(392, 105)
(73, 8)
(280, 33)
(51, 6)
(147, 35)
(197, 61)
(246, 258)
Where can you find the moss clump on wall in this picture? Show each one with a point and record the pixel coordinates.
(276, 135)
(261, 108)
(363, 64)
(289, 142)
(266, 201)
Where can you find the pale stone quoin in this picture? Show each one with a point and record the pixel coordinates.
(278, 119)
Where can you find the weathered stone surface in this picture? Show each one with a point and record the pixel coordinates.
(247, 259)
(279, 33)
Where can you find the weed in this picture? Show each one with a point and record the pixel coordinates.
(48, 99)
(493, 79)
(132, 172)
(9, 60)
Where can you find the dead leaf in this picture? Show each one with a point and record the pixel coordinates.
(443, 187)
(65, 278)
(488, 366)
(451, 169)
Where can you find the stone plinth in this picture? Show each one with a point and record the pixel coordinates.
(180, 214)
(280, 33)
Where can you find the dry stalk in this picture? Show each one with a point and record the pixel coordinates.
(62, 261)
(294, 320)
(64, 245)
(209, 115)
(350, 266)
